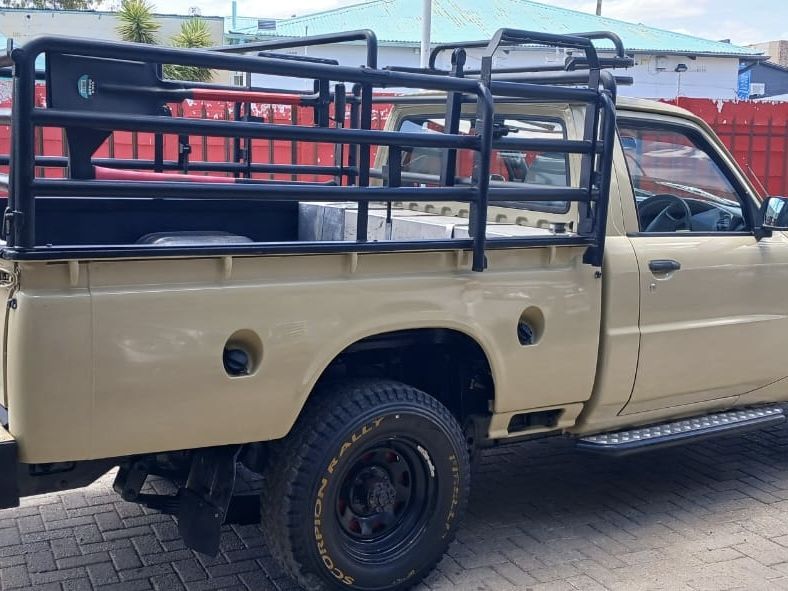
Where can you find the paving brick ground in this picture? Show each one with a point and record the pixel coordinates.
(708, 516)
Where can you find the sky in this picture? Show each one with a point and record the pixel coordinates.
(741, 21)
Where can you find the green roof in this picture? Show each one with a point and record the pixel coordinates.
(399, 21)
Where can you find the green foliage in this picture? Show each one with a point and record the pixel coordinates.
(193, 33)
(137, 22)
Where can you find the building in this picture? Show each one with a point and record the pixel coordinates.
(21, 24)
(667, 64)
(768, 80)
(776, 50)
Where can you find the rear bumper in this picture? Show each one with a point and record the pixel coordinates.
(9, 470)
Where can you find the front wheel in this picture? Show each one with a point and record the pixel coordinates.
(367, 490)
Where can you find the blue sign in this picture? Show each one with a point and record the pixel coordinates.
(745, 78)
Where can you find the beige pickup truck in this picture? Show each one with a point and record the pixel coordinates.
(524, 256)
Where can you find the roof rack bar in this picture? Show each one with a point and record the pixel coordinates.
(610, 36)
(366, 35)
(212, 86)
(476, 72)
(519, 37)
(253, 64)
(220, 128)
(255, 191)
(544, 145)
(298, 58)
(537, 91)
(194, 165)
(580, 63)
(504, 37)
(534, 74)
(441, 47)
(478, 190)
(560, 78)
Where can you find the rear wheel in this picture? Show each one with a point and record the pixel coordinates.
(367, 490)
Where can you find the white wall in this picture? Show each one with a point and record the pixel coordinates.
(655, 77)
(22, 25)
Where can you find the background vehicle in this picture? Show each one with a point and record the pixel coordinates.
(504, 267)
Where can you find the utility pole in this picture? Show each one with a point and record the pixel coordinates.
(426, 26)
(599, 7)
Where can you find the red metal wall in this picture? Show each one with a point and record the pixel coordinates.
(755, 132)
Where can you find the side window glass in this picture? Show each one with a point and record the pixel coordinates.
(678, 187)
(508, 168)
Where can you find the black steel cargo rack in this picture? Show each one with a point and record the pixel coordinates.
(95, 88)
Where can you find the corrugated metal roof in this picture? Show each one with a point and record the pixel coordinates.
(399, 21)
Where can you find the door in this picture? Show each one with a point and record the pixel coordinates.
(713, 298)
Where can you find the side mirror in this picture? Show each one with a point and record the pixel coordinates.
(774, 213)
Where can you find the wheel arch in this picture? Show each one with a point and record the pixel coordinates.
(377, 351)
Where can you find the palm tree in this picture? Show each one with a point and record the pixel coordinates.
(137, 22)
(193, 33)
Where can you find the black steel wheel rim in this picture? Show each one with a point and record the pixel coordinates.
(385, 498)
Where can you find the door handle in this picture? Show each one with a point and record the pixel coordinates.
(663, 265)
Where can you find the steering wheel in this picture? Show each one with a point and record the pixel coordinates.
(667, 213)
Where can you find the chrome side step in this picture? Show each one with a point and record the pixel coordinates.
(619, 443)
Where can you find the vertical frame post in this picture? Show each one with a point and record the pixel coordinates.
(355, 117)
(485, 119)
(453, 116)
(21, 213)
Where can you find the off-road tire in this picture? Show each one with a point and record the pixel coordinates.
(342, 503)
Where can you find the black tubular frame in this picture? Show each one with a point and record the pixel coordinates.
(352, 180)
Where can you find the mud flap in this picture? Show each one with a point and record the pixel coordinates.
(204, 501)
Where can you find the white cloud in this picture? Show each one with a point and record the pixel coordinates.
(650, 12)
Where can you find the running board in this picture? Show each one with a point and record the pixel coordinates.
(619, 443)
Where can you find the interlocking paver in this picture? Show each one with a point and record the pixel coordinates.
(709, 516)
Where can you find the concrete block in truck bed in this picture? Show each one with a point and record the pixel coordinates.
(338, 221)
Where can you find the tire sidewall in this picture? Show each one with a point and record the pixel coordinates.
(441, 444)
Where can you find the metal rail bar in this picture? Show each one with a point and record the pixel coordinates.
(555, 193)
(366, 35)
(516, 37)
(218, 128)
(274, 192)
(195, 166)
(592, 193)
(543, 145)
(275, 248)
